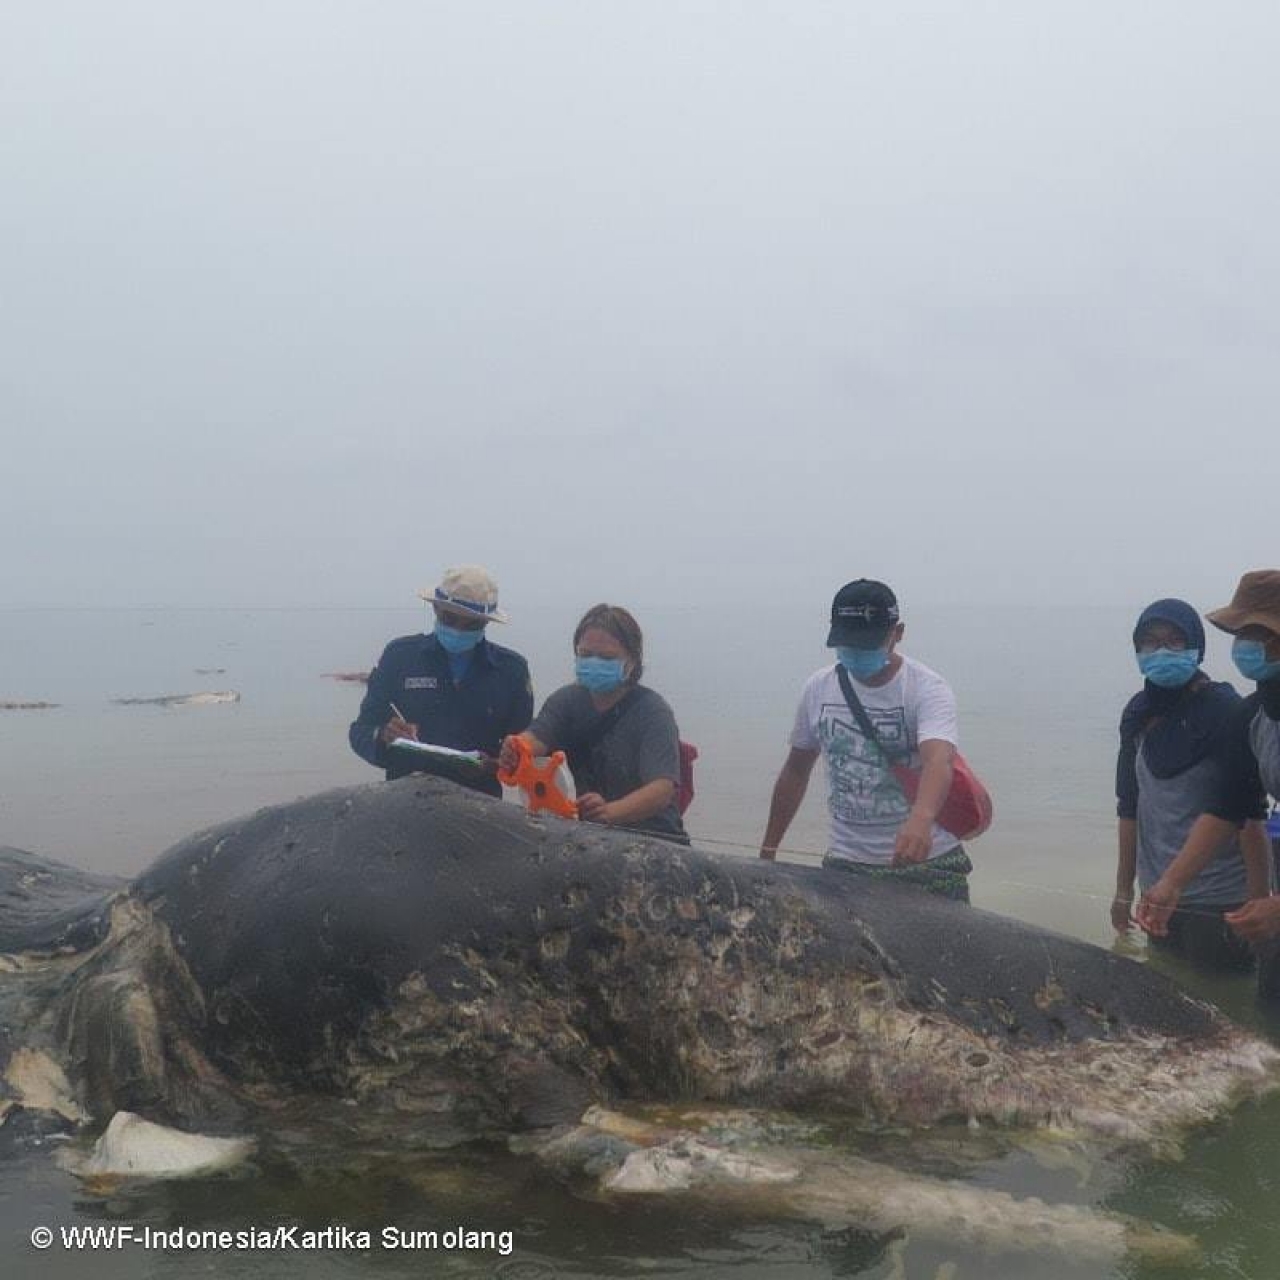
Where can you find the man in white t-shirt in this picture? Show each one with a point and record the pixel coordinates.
(875, 829)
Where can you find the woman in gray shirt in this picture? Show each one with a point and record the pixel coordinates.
(619, 736)
(1173, 742)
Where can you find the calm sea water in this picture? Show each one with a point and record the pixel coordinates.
(108, 787)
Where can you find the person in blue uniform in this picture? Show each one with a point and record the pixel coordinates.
(452, 687)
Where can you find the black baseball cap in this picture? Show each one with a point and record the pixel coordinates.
(862, 614)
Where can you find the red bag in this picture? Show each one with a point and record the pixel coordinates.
(684, 790)
(967, 810)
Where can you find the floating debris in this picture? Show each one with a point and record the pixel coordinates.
(348, 677)
(133, 1147)
(211, 671)
(28, 706)
(181, 699)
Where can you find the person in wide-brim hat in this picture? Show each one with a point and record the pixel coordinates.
(1251, 769)
(468, 591)
(448, 687)
(1256, 603)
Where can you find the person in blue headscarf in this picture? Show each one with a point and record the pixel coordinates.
(1174, 735)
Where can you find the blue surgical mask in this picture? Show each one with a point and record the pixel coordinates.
(862, 664)
(600, 675)
(1169, 668)
(1250, 657)
(455, 639)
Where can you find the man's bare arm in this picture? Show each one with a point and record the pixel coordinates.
(915, 837)
(788, 792)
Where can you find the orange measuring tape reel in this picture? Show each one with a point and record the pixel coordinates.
(538, 782)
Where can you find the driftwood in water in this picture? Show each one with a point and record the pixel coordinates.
(210, 699)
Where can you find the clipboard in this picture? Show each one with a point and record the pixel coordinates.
(430, 751)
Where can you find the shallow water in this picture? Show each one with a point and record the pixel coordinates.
(107, 787)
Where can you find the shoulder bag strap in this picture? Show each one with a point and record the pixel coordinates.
(580, 753)
(859, 712)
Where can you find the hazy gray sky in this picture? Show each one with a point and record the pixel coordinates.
(301, 301)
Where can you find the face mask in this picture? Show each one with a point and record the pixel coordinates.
(1250, 657)
(455, 639)
(600, 675)
(862, 664)
(1169, 668)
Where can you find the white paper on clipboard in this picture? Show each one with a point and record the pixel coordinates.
(431, 749)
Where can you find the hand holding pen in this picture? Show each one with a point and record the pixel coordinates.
(397, 727)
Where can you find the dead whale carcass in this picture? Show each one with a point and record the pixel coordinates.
(459, 969)
(415, 942)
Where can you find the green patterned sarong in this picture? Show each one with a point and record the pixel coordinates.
(946, 875)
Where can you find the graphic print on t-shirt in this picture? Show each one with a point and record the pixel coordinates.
(863, 790)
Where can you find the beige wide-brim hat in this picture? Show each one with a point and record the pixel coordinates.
(1256, 603)
(469, 588)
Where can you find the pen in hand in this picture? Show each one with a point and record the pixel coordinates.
(411, 730)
